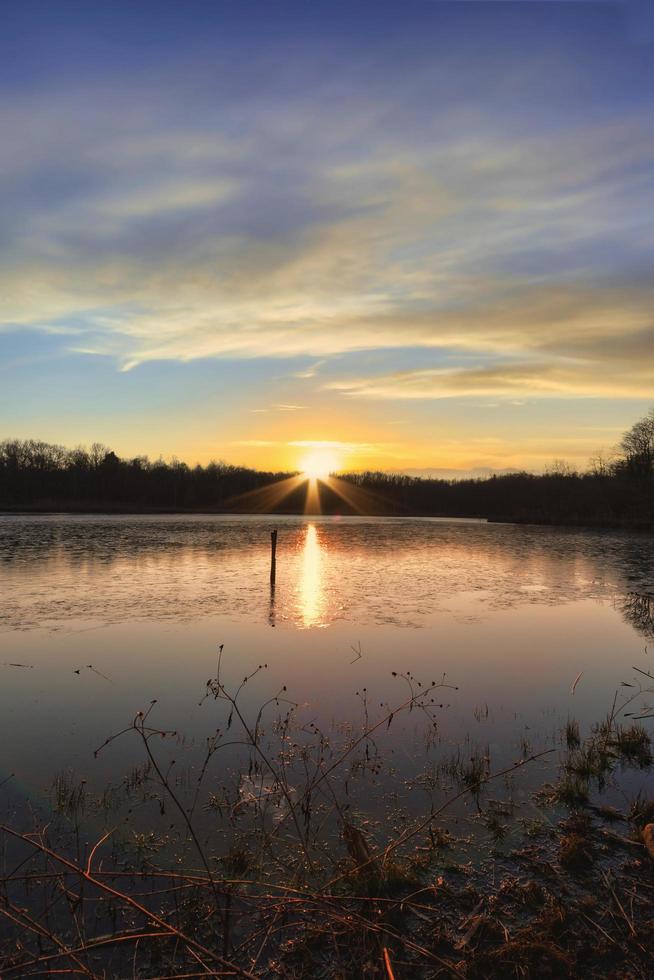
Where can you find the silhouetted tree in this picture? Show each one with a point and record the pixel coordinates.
(39, 476)
(638, 447)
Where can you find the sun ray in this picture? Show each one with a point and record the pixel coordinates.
(360, 500)
(312, 499)
(264, 499)
(320, 462)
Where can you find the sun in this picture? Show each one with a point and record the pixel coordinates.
(319, 464)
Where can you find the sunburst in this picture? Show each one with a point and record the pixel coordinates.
(320, 464)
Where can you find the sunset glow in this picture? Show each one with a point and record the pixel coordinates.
(215, 251)
(319, 464)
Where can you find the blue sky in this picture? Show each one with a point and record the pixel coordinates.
(417, 232)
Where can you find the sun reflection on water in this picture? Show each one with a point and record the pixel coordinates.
(312, 593)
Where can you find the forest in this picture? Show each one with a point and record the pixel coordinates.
(613, 492)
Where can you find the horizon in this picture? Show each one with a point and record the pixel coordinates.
(410, 239)
(314, 467)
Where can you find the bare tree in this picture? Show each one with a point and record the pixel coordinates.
(638, 446)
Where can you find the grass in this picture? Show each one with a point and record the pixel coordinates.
(633, 744)
(269, 859)
(468, 771)
(572, 738)
(68, 795)
(570, 791)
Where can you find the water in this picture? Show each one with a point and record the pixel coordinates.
(100, 615)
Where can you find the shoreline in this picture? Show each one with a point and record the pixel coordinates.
(646, 527)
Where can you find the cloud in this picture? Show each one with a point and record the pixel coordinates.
(281, 407)
(277, 227)
(309, 372)
(536, 379)
(346, 448)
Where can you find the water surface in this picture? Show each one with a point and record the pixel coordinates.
(100, 615)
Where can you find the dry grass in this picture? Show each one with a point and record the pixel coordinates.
(299, 882)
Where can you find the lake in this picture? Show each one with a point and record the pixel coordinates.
(100, 615)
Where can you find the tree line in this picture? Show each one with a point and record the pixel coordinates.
(41, 476)
(618, 491)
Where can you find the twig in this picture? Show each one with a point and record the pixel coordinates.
(192, 944)
(408, 834)
(387, 964)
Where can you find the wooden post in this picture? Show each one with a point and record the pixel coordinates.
(273, 555)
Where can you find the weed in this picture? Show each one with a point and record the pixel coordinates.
(633, 744)
(69, 796)
(572, 739)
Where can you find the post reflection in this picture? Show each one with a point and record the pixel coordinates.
(312, 593)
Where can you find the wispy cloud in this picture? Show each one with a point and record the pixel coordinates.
(346, 447)
(252, 224)
(309, 372)
(279, 407)
(538, 379)
(471, 245)
(343, 447)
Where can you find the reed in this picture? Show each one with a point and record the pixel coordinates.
(271, 865)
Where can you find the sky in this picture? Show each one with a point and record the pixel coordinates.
(410, 236)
